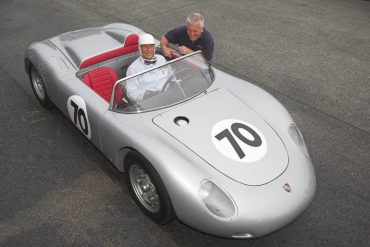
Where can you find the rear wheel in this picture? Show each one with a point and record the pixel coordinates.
(38, 87)
(147, 188)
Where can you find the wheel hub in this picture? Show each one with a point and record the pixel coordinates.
(37, 84)
(144, 188)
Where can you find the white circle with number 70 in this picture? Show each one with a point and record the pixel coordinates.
(78, 113)
(239, 141)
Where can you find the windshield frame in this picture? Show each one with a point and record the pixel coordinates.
(111, 102)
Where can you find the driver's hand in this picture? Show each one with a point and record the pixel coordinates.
(149, 94)
(167, 51)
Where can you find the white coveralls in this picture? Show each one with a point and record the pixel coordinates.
(150, 81)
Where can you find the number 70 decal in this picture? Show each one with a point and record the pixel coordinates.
(78, 113)
(239, 140)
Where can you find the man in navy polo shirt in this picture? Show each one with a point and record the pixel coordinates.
(189, 38)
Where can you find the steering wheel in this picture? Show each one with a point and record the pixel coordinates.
(179, 75)
(169, 83)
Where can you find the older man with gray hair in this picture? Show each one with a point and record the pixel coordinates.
(189, 38)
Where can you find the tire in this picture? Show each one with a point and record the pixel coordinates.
(147, 189)
(38, 88)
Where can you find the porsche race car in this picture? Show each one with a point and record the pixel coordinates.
(217, 152)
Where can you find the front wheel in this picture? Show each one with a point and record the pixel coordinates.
(147, 189)
(38, 87)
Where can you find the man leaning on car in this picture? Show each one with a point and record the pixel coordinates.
(189, 38)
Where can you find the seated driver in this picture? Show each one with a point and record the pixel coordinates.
(147, 84)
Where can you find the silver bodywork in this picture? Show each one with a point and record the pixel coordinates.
(263, 193)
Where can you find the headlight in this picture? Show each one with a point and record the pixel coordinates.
(217, 201)
(297, 137)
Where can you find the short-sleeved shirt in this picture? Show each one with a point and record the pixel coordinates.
(179, 36)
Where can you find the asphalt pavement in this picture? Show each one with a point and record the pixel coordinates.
(57, 189)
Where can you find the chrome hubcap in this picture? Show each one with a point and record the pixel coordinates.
(144, 189)
(37, 84)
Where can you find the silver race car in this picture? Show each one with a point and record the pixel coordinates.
(219, 153)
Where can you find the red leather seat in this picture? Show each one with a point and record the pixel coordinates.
(102, 80)
(130, 45)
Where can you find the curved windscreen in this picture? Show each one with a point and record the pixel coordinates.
(162, 86)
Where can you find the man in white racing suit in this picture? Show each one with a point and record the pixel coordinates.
(149, 83)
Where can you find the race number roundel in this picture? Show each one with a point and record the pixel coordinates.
(78, 114)
(239, 141)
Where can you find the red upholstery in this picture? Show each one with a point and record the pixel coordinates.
(130, 45)
(102, 80)
(175, 55)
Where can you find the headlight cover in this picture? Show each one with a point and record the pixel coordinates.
(297, 137)
(217, 201)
